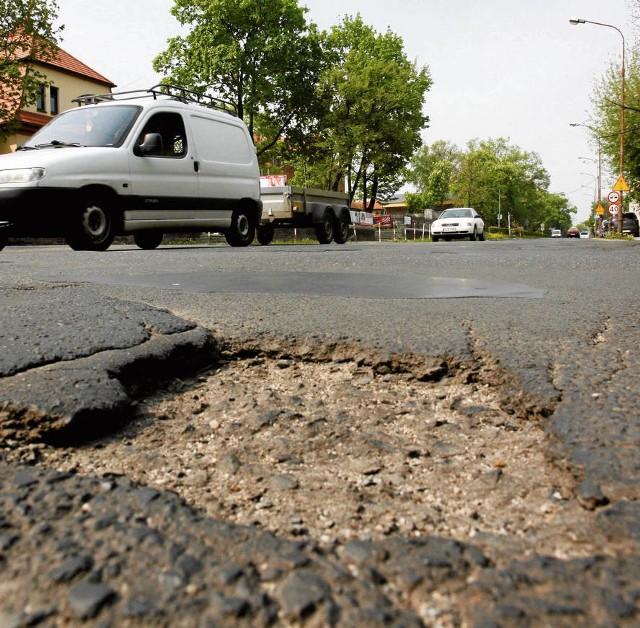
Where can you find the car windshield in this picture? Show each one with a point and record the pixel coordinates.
(456, 213)
(86, 126)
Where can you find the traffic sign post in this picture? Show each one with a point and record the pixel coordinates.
(615, 201)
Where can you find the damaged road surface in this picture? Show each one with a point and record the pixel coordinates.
(162, 468)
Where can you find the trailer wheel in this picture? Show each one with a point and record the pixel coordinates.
(265, 233)
(324, 229)
(341, 234)
(148, 240)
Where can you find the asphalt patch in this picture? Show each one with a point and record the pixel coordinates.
(355, 285)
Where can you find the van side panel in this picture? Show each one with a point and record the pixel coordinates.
(228, 166)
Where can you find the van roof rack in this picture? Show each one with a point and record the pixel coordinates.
(172, 92)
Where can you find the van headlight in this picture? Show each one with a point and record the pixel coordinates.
(21, 175)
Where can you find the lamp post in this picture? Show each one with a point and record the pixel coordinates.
(598, 161)
(615, 28)
(595, 182)
(599, 172)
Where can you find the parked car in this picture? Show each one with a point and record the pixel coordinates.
(458, 222)
(585, 234)
(556, 233)
(573, 233)
(630, 224)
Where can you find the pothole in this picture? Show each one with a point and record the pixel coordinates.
(348, 448)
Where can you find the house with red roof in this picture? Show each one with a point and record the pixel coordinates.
(69, 78)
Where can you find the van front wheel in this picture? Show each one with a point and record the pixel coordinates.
(242, 229)
(93, 228)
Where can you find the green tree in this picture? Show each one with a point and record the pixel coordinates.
(606, 120)
(261, 55)
(431, 171)
(496, 177)
(373, 110)
(27, 33)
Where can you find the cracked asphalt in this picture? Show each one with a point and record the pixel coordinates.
(85, 337)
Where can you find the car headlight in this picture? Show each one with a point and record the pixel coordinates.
(21, 175)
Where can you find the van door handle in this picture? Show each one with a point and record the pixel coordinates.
(196, 166)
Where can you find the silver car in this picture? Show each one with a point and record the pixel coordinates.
(458, 222)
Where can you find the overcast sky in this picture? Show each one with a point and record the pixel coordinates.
(500, 68)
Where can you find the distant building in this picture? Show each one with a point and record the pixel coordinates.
(69, 77)
(395, 206)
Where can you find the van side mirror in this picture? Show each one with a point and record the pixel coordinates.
(151, 145)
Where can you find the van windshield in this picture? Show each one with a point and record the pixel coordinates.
(86, 126)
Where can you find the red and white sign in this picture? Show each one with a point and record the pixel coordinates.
(614, 197)
(383, 221)
(273, 181)
(613, 209)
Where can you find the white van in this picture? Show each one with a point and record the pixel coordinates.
(141, 163)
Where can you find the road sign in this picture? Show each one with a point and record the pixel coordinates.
(621, 185)
(600, 209)
(613, 209)
(614, 196)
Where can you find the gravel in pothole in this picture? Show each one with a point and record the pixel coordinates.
(334, 452)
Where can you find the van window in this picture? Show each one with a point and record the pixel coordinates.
(170, 126)
(220, 141)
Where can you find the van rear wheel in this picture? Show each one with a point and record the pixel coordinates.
(148, 240)
(242, 229)
(92, 228)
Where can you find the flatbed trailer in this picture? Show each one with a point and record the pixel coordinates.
(288, 206)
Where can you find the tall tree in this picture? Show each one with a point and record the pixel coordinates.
(259, 54)
(606, 120)
(496, 176)
(431, 171)
(373, 97)
(27, 33)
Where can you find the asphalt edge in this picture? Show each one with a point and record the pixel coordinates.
(85, 392)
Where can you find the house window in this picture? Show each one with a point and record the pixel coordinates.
(40, 105)
(54, 101)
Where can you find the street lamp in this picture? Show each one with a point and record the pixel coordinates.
(598, 161)
(595, 182)
(615, 28)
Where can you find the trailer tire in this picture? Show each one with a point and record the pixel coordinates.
(148, 240)
(265, 234)
(325, 228)
(341, 229)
